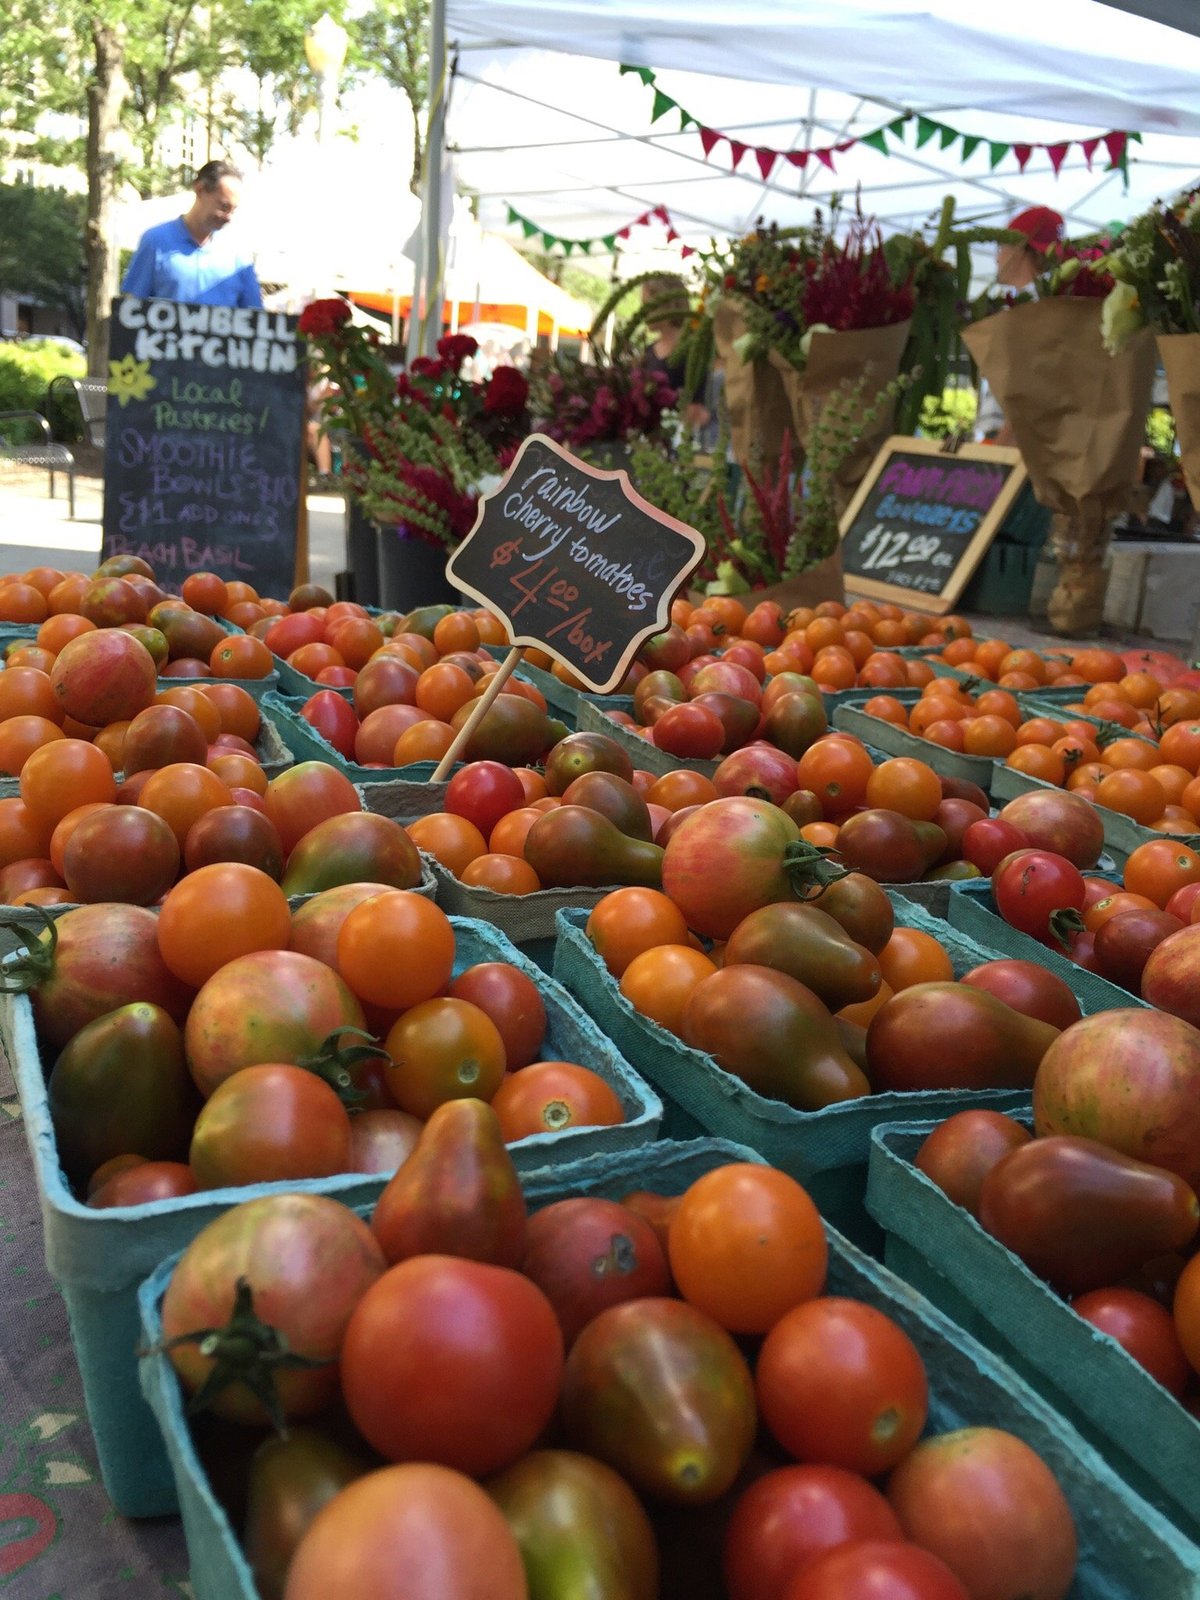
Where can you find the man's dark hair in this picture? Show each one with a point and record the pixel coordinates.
(211, 173)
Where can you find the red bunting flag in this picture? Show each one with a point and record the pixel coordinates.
(671, 236)
(1114, 143)
(686, 250)
(766, 160)
(709, 140)
(798, 158)
(847, 144)
(623, 233)
(1058, 154)
(826, 157)
(1022, 153)
(1089, 148)
(739, 150)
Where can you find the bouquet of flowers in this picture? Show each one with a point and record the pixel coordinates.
(603, 402)
(428, 439)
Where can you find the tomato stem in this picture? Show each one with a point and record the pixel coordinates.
(1064, 924)
(811, 868)
(333, 1061)
(245, 1350)
(33, 964)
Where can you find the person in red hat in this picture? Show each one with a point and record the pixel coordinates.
(1017, 267)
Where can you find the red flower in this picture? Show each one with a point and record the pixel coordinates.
(430, 367)
(506, 393)
(455, 348)
(322, 318)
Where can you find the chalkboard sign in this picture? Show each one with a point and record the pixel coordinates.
(203, 441)
(922, 519)
(575, 561)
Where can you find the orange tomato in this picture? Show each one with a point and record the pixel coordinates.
(907, 786)
(910, 957)
(989, 735)
(549, 1096)
(630, 920)
(1133, 793)
(1159, 868)
(502, 874)
(1102, 911)
(1123, 753)
(453, 840)
(1038, 761)
(658, 982)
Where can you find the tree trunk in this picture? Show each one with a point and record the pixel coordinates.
(106, 93)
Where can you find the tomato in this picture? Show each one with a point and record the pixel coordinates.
(727, 859)
(120, 853)
(452, 1361)
(271, 1005)
(986, 843)
(1186, 1312)
(875, 1569)
(353, 847)
(334, 718)
(437, 1527)
(910, 957)
(792, 1515)
(630, 920)
(122, 1084)
(317, 923)
(268, 1123)
(861, 907)
(453, 840)
(64, 774)
(991, 1509)
(761, 770)
(550, 1096)
(841, 1383)
(889, 847)
(89, 962)
(1170, 976)
(144, 1183)
(1157, 869)
(746, 1244)
(218, 913)
(1124, 944)
(483, 792)
(904, 785)
(236, 707)
(661, 1393)
(1182, 903)
(236, 833)
(307, 1260)
(306, 794)
(1065, 824)
(837, 772)
(441, 1049)
(960, 1152)
(577, 1521)
(396, 950)
(659, 982)
(514, 1003)
(1031, 887)
(1028, 988)
(1143, 1328)
(1113, 904)
(587, 1254)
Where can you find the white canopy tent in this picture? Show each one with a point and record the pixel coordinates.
(569, 143)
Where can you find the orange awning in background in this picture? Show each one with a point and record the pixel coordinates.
(511, 316)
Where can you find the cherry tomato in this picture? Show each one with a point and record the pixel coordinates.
(876, 1569)
(1141, 1327)
(986, 843)
(1032, 886)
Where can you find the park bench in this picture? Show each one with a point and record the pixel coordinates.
(86, 396)
(25, 438)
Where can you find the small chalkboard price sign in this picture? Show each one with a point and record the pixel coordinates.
(203, 441)
(575, 561)
(923, 517)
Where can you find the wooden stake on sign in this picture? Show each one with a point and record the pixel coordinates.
(483, 706)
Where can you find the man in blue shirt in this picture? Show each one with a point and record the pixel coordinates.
(189, 258)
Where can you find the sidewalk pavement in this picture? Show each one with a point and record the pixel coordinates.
(38, 531)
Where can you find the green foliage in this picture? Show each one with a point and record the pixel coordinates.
(26, 371)
(1160, 431)
(41, 248)
(392, 40)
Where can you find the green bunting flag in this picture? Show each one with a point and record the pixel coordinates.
(926, 127)
(607, 241)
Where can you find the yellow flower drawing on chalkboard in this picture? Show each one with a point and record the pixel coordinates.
(130, 380)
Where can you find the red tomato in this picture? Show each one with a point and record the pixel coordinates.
(452, 1361)
(875, 1569)
(690, 732)
(1029, 988)
(306, 794)
(334, 718)
(443, 1532)
(1183, 902)
(991, 1509)
(269, 1123)
(483, 792)
(512, 1000)
(986, 843)
(1142, 1327)
(586, 1254)
(1032, 886)
(792, 1515)
(839, 1382)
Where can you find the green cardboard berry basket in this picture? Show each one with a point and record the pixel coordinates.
(1143, 1433)
(826, 1150)
(850, 717)
(594, 718)
(1127, 1551)
(100, 1257)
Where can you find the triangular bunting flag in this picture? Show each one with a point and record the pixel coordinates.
(622, 233)
(1022, 153)
(671, 236)
(947, 136)
(897, 127)
(609, 240)
(686, 250)
(798, 158)
(646, 74)
(925, 130)
(708, 139)
(1058, 154)
(766, 160)
(662, 104)
(997, 152)
(1089, 148)
(825, 157)
(877, 140)
(739, 150)
(529, 228)
(513, 216)
(971, 143)
(686, 119)
(662, 214)
(846, 144)
(567, 245)
(1114, 143)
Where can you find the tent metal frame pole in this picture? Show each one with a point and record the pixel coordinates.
(431, 199)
